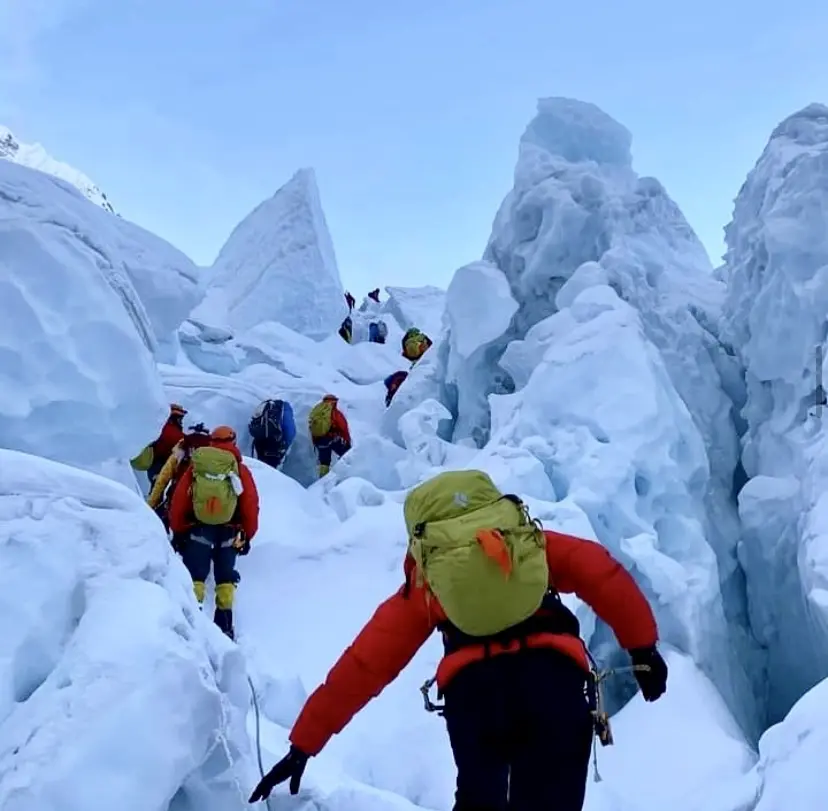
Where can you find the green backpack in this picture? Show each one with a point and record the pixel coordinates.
(477, 551)
(214, 494)
(320, 419)
(144, 459)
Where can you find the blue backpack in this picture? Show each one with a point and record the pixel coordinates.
(273, 424)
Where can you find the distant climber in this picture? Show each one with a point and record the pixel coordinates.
(375, 294)
(377, 332)
(514, 671)
(415, 344)
(215, 506)
(273, 430)
(155, 455)
(161, 493)
(329, 432)
(346, 330)
(392, 383)
(350, 300)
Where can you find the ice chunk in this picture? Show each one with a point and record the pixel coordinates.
(77, 384)
(131, 260)
(479, 307)
(101, 634)
(420, 307)
(279, 265)
(579, 131)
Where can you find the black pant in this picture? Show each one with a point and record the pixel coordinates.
(521, 733)
(326, 446)
(269, 453)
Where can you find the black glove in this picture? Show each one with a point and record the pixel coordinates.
(292, 765)
(179, 541)
(653, 681)
(240, 543)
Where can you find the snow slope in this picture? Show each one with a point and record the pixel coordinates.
(776, 319)
(278, 265)
(125, 696)
(36, 157)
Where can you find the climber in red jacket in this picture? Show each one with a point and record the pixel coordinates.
(527, 695)
(215, 539)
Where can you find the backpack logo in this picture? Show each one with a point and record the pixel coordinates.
(461, 500)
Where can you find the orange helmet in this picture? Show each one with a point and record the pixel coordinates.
(177, 410)
(224, 433)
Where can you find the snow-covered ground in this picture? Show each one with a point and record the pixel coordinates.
(592, 361)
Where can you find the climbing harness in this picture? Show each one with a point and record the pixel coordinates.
(593, 691)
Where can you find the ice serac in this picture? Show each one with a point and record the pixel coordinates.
(479, 310)
(279, 265)
(115, 690)
(157, 284)
(580, 219)
(420, 307)
(36, 157)
(77, 382)
(776, 319)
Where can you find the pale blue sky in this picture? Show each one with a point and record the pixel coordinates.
(188, 113)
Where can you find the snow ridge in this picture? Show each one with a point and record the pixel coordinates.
(35, 156)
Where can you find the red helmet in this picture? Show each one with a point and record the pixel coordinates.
(224, 433)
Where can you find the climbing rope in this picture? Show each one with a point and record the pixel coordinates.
(258, 734)
(222, 739)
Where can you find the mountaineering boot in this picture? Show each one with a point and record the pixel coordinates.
(323, 470)
(224, 619)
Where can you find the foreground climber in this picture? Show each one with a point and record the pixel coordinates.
(392, 383)
(216, 507)
(415, 344)
(161, 493)
(329, 432)
(156, 454)
(273, 430)
(514, 670)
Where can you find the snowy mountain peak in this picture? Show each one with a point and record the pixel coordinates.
(578, 131)
(34, 156)
(808, 126)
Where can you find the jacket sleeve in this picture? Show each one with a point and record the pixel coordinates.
(164, 477)
(181, 504)
(588, 570)
(248, 503)
(382, 649)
